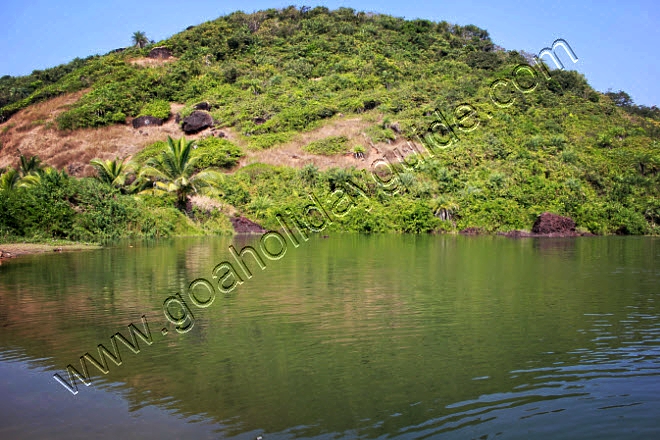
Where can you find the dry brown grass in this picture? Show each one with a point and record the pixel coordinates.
(33, 131)
(151, 62)
(291, 153)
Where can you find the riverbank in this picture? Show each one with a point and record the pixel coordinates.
(11, 250)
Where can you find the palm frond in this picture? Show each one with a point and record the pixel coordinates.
(9, 180)
(112, 172)
(29, 166)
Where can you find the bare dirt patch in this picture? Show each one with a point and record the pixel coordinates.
(33, 131)
(151, 62)
(291, 154)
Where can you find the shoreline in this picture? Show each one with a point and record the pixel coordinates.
(13, 250)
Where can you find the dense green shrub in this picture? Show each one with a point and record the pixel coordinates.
(379, 134)
(102, 212)
(483, 60)
(263, 141)
(309, 174)
(417, 218)
(150, 151)
(158, 109)
(218, 153)
(41, 210)
(328, 146)
(299, 118)
(54, 206)
(112, 99)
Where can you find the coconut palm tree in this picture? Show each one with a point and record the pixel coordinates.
(9, 179)
(444, 208)
(46, 176)
(140, 39)
(174, 171)
(30, 166)
(136, 180)
(112, 172)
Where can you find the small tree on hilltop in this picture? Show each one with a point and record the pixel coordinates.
(140, 39)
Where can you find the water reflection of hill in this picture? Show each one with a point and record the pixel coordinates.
(341, 333)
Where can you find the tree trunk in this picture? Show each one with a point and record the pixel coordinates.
(184, 204)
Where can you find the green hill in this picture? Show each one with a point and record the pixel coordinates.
(524, 140)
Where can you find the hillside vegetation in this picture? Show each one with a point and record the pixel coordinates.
(551, 143)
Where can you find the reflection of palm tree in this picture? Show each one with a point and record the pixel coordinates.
(174, 171)
(140, 39)
(112, 172)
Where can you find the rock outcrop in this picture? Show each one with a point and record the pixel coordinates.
(146, 121)
(548, 223)
(160, 53)
(202, 106)
(471, 231)
(196, 122)
(244, 226)
(217, 133)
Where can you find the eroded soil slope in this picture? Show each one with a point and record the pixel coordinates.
(33, 131)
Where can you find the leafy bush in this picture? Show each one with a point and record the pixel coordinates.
(483, 60)
(328, 146)
(379, 134)
(102, 212)
(112, 99)
(564, 81)
(263, 141)
(158, 109)
(309, 174)
(41, 210)
(150, 151)
(557, 141)
(418, 218)
(299, 118)
(605, 140)
(217, 153)
(91, 115)
(534, 142)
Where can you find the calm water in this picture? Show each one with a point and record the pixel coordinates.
(345, 337)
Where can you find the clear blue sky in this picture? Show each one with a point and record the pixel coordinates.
(615, 41)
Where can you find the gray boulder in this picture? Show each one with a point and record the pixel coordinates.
(197, 121)
(146, 121)
(202, 106)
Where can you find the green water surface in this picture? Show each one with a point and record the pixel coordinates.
(343, 337)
